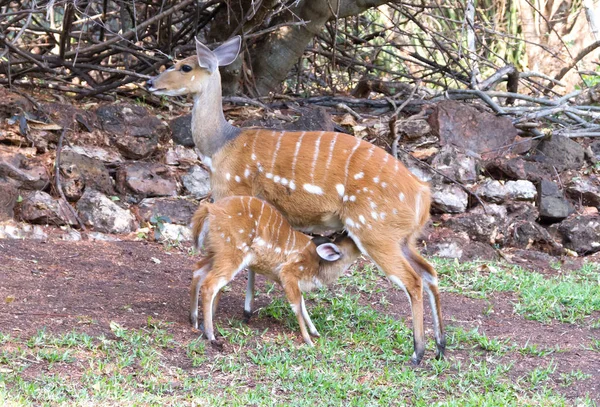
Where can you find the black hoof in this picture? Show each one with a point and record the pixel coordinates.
(247, 316)
(417, 357)
(216, 344)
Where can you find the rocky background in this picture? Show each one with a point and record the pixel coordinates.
(129, 172)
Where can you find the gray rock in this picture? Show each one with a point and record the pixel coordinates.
(146, 180)
(8, 199)
(26, 173)
(552, 204)
(181, 130)
(311, 118)
(521, 190)
(595, 147)
(12, 103)
(412, 129)
(450, 199)
(472, 129)
(177, 233)
(197, 182)
(135, 132)
(13, 230)
(80, 172)
(585, 190)
(519, 168)
(98, 153)
(179, 211)
(492, 191)
(480, 225)
(581, 233)
(526, 234)
(561, 153)
(455, 164)
(103, 215)
(39, 207)
(444, 242)
(179, 155)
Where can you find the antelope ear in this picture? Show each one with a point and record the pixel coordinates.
(329, 252)
(227, 52)
(206, 58)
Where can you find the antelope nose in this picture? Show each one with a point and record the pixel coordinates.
(149, 83)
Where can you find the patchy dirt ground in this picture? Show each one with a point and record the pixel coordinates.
(59, 286)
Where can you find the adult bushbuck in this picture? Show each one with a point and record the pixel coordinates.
(245, 232)
(320, 181)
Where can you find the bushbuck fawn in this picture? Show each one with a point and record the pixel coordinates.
(243, 231)
(320, 181)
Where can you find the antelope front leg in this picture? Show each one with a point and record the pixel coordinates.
(296, 300)
(311, 327)
(249, 303)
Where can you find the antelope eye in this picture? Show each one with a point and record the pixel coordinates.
(186, 68)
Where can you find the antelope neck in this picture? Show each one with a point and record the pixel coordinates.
(210, 130)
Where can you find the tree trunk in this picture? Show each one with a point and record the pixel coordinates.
(274, 54)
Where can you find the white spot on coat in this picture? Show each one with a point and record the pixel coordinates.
(340, 188)
(313, 189)
(228, 176)
(359, 175)
(238, 179)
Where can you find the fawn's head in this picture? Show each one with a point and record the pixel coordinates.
(193, 74)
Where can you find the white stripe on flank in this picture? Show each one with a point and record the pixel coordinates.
(293, 241)
(276, 151)
(330, 156)
(262, 207)
(315, 156)
(243, 205)
(313, 189)
(298, 144)
(418, 207)
(254, 145)
(348, 160)
(287, 242)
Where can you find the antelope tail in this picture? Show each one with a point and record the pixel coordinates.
(200, 226)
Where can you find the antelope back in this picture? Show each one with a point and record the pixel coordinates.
(322, 180)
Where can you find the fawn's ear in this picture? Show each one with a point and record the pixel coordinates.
(329, 252)
(227, 52)
(206, 58)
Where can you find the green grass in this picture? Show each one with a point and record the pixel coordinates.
(362, 359)
(569, 297)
